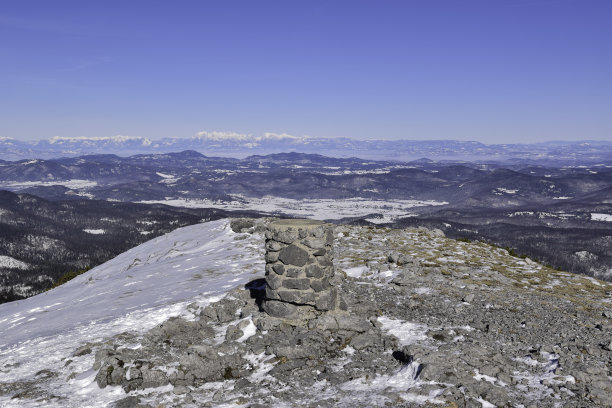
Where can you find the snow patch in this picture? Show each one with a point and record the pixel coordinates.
(485, 404)
(406, 332)
(259, 364)
(356, 271)
(248, 332)
(10, 262)
(404, 379)
(94, 231)
(537, 385)
(423, 291)
(479, 377)
(601, 217)
(72, 184)
(506, 190)
(319, 209)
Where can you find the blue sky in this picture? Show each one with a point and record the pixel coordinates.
(494, 71)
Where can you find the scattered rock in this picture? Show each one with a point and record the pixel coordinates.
(241, 224)
(465, 336)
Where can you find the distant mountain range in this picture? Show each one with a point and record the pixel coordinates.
(190, 175)
(241, 145)
(560, 215)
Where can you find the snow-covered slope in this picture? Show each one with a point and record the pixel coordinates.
(135, 291)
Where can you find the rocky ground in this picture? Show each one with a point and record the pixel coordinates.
(430, 321)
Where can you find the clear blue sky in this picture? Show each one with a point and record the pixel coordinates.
(495, 71)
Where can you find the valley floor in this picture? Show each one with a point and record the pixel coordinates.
(319, 209)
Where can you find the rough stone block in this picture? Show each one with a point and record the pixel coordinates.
(274, 281)
(286, 236)
(279, 309)
(314, 271)
(279, 269)
(319, 285)
(314, 243)
(324, 261)
(271, 257)
(299, 284)
(271, 293)
(269, 269)
(342, 304)
(273, 246)
(240, 224)
(318, 232)
(353, 323)
(297, 297)
(293, 255)
(233, 333)
(153, 378)
(294, 272)
(327, 300)
(363, 341)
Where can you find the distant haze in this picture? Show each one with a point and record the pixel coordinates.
(238, 145)
(516, 71)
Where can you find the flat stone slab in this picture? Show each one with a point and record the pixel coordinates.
(295, 223)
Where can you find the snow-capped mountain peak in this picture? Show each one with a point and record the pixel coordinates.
(90, 140)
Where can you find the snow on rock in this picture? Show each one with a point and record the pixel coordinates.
(406, 332)
(506, 190)
(94, 231)
(10, 262)
(356, 271)
(72, 184)
(404, 379)
(485, 404)
(167, 178)
(601, 217)
(260, 364)
(133, 292)
(536, 386)
(248, 331)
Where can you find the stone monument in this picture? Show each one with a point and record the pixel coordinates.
(299, 268)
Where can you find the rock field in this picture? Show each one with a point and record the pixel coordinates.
(431, 322)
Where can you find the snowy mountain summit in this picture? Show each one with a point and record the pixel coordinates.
(177, 322)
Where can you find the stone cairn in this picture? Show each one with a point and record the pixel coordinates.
(299, 268)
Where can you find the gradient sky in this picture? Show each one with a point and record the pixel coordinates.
(495, 71)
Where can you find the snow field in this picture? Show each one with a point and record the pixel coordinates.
(133, 292)
(319, 209)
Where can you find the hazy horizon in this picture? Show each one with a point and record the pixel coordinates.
(247, 137)
(523, 71)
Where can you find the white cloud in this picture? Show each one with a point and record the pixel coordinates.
(279, 136)
(115, 139)
(249, 138)
(219, 136)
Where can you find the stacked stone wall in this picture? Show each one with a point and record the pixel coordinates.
(299, 267)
